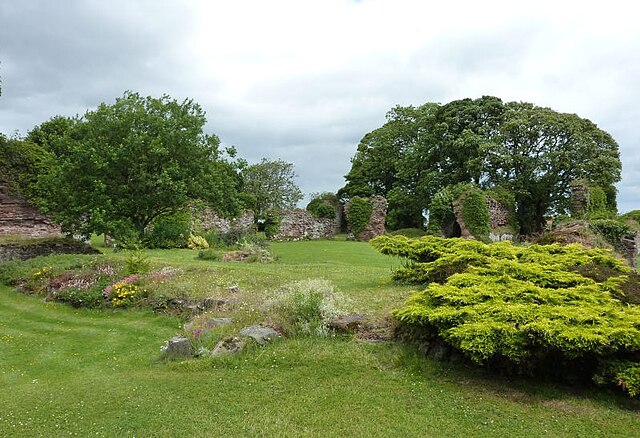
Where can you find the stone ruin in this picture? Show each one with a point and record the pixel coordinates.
(375, 227)
(210, 220)
(498, 222)
(300, 224)
(579, 200)
(19, 217)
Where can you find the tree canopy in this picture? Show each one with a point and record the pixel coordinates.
(271, 185)
(534, 152)
(125, 164)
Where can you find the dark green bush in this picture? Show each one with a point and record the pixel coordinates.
(91, 298)
(522, 308)
(208, 254)
(612, 230)
(170, 231)
(323, 205)
(272, 223)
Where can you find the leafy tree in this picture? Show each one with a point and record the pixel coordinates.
(271, 185)
(123, 165)
(530, 151)
(323, 205)
(20, 164)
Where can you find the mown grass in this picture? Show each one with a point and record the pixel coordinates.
(66, 372)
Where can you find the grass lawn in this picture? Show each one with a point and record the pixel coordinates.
(75, 372)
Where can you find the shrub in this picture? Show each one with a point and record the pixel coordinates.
(272, 224)
(306, 307)
(208, 254)
(197, 242)
(257, 253)
(323, 205)
(125, 292)
(137, 262)
(519, 308)
(89, 298)
(612, 230)
(359, 214)
(170, 231)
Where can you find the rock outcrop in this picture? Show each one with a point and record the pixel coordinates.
(19, 217)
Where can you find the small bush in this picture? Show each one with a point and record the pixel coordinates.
(89, 298)
(208, 254)
(125, 292)
(170, 231)
(612, 230)
(272, 224)
(306, 307)
(137, 262)
(257, 253)
(197, 242)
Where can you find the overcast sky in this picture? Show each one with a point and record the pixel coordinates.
(305, 80)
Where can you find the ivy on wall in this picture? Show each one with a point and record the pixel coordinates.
(359, 214)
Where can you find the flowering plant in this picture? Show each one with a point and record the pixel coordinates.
(122, 292)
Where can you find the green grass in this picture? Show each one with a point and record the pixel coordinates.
(90, 373)
(66, 372)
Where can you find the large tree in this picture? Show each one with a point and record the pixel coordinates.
(271, 184)
(125, 164)
(532, 151)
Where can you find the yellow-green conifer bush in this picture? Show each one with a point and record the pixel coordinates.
(531, 309)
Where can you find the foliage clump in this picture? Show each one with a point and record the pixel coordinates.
(522, 308)
(306, 307)
(359, 214)
(323, 205)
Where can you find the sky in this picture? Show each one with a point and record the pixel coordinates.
(304, 81)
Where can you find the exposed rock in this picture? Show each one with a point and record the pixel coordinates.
(630, 248)
(19, 217)
(347, 323)
(178, 346)
(579, 200)
(262, 335)
(229, 345)
(498, 215)
(236, 256)
(218, 302)
(28, 250)
(300, 224)
(194, 309)
(209, 323)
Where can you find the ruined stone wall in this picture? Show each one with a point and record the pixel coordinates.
(498, 221)
(210, 220)
(17, 216)
(375, 227)
(579, 200)
(457, 212)
(498, 215)
(300, 224)
(630, 248)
